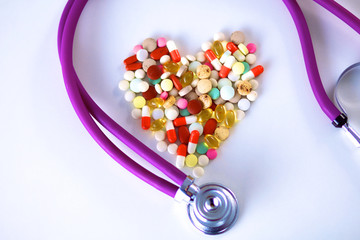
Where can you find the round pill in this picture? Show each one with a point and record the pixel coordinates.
(194, 83)
(211, 154)
(193, 66)
(238, 68)
(141, 55)
(161, 146)
(154, 82)
(158, 89)
(139, 101)
(184, 134)
(160, 135)
(203, 160)
(172, 112)
(214, 82)
(201, 148)
(204, 86)
(191, 160)
(157, 113)
(129, 75)
(206, 46)
(214, 74)
(223, 82)
(240, 115)
(198, 172)
(134, 85)
(196, 126)
(150, 93)
(182, 103)
(251, 47)
(191, 96)
(250, 58)
(222, 133)
(185, 61)
(164, 95)
(233, 77)
(140, 73)
(254, 83)
(200, 56)
(164, 59)
(214, 93)
(229, 106)
(137, 48)
(154, 72)
(136, 113)
(244, 88)
(236, 98)
(236, 84)
(124, 85)
(172, 148)
(143, 86)
(203, 71)
(197, 92)
(166, 85)
(129, 96)
(247, 67)
(219, 101)
(227, 92)
(184, 112)
(237, 37)
(173, 92)
(191, 58)
(148, 63)
(244, 104)
(219, 36)
(206, 100)
(149, 44)
(161, 42)
(210, 126)
(252, 96)
(194, 106)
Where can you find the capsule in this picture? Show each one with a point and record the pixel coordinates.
(155, 103)
(184, 120)
(211, 57)
(220, 113)
(174, 52)
(225, 56)
(235, 51)
(170, 131)
(226, 68)
(158, 124)
(230, 118)
(253, 73)
(145, 118)
(181, 154)
(171, 67)
(193, 141)
(212, 141)
(176, 82)
(218, 49)
(204, 115)
(187, 78)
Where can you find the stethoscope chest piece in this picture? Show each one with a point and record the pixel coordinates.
(214, 209)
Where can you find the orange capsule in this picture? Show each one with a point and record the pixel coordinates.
(184, 120)
(174, 52)
(145, 118)
(170, 131)
(181, 154)
(193, 141)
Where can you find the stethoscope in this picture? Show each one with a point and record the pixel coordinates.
(212, 208)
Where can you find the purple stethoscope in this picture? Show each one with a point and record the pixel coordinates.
(212, 208)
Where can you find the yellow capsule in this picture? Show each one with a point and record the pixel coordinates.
(220, 112)
(158, 124)
(218, 49)
(204, 115)
(155, 103)
(230, 118)
(171, 67)
(187, 78)
(212, 141)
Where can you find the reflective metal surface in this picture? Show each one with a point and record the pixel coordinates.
(214, 209)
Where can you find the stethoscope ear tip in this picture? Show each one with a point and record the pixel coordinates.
(214, 209)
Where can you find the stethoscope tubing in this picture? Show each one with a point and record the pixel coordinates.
(327, 106)
(85, 108)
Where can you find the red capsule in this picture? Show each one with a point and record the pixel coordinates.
(170, 131)
(193, 141)
(145, 118)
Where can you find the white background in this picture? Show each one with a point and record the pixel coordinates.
(295, 175)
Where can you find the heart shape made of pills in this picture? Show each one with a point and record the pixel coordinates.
(191, 102)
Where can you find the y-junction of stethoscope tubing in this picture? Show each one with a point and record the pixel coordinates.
(85, 107)
(325, 103)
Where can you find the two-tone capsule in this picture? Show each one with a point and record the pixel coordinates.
(184, 120)
(145, 118)
(181, 154)
(193, 141)
(226, 68)
(235, 51)
(170, 131)
(253, 73)
(174, 52)
(211, 57)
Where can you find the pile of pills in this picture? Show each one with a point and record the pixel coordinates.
(191, 102)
